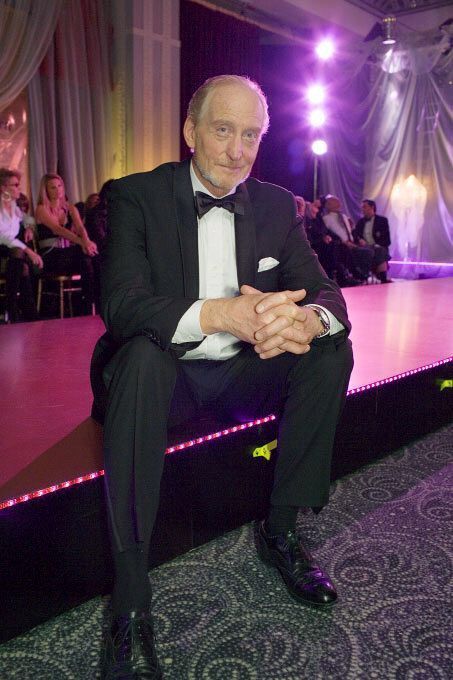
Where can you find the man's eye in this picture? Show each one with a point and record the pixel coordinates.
(222, 130)
(251, 136)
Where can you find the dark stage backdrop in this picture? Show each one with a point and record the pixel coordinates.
(213, 43)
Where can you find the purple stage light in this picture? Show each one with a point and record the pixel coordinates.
(316, 94)
(317, 117)
(325, 49)
(319, 147)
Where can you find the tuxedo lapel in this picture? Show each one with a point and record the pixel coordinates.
(244, 226)
(187, 228)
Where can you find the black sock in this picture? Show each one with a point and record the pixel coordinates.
(132, 590)
(382, 276)
(281, 519)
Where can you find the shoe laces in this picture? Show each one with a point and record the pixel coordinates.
(305, 568)
(137, 629)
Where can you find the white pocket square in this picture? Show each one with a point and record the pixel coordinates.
(267, 263)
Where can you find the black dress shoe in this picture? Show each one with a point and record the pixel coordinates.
(129, 651)
(305, 580)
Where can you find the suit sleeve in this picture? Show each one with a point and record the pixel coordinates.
(301, 269)
(129, 303)
(385, 229)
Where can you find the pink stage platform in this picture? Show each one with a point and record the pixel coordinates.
(53, 526)
(48, 438)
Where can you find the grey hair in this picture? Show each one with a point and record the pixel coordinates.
(199, 97)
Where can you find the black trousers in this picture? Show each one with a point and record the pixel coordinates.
(18, 279)
(150, 390)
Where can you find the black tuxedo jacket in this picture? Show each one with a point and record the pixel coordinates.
(149, 271)
(381, 231)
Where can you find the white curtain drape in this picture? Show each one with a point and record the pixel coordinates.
(71, 102)
(391, 142)
(26, 30)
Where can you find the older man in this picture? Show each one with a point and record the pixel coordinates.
(212, 297)
(350, 258)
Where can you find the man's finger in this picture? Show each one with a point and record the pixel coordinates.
(275, 326)
(249, 290)
(280, 298)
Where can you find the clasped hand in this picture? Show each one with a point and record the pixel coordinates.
(272, 322)
(286, 327)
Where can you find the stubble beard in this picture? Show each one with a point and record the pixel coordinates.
(212, 179)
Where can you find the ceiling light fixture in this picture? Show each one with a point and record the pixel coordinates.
(389, 28)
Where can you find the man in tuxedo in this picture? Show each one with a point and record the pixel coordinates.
(213, 298)
(373, 231)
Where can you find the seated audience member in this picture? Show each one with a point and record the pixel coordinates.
(96, 215)
(28, 222)
(301, 205)
(317, 233)
(373, 230)
(320, 239)
(350, 258)
(18, 278)
(96, 226)
(91, 202)
(63, 240)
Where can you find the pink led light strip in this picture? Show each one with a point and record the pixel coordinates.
(215, 435)
(172, 449)
(399, 376)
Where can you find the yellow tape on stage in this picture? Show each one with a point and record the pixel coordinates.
(264, 451)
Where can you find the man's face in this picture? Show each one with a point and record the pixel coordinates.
(226, 138)
(333, 205)
(367, 210)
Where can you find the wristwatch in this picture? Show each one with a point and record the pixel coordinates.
(324, 319)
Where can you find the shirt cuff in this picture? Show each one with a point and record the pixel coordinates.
(335, 325)
(188, 328)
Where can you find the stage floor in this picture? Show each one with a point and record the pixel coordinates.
(44, 372)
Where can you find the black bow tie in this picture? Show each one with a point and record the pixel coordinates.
(204, 203)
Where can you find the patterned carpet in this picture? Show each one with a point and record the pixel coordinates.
(221, 614)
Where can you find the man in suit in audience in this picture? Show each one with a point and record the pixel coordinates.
(321, 241)
(352, 261)
(213, 298)
(373, 230)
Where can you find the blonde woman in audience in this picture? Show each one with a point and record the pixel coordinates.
(63, 240)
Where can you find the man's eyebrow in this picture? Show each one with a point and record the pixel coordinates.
(222, 121)
(229, 123)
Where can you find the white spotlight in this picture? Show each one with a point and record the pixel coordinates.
(316, 94)
(325, 49)
(319, 147)
(317, 118)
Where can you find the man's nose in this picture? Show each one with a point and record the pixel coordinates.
(235, 148)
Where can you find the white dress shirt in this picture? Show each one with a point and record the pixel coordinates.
(218, 279)
(368, 231)
(338, 224)
(10, 226)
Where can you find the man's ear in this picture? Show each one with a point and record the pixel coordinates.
(189, 132)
